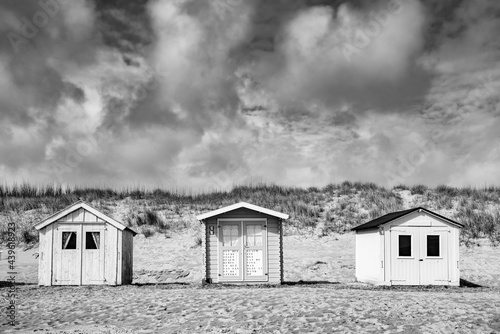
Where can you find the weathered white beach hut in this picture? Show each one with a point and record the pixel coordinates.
(81, 246)
(243, 243)
(410, 247)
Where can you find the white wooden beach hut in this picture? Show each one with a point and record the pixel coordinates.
(243, 243)
(81, 246)
(410, 247)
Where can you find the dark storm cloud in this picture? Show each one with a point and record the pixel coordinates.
(125, 25)
(192, 90)
(32, 52)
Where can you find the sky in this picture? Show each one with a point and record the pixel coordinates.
(208, 94)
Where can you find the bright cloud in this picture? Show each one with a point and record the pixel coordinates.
(208, 94)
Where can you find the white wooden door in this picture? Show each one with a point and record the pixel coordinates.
(419, 255)
(255, 251)
(67, 255)
(404, 256)
(434, 266)
(230, 251)
(93, 255)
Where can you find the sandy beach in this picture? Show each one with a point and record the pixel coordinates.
(287, 309)
(321, 296)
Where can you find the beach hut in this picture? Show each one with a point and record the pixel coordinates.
(410, 247)
(82, 246)
(243, 243)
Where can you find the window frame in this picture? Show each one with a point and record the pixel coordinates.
(412, 253)
(440, 256)
(98, 247)
(75, 233)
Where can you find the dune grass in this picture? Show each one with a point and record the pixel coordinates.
(335, 208)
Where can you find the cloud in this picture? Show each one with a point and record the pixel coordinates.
(207, 94)
(349, 55)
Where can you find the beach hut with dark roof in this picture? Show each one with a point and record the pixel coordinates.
(80, 245)
(409, 247)
(243, 243)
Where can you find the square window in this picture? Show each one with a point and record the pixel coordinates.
(405, 245)
(92, 240)
(69, 240)
(433, 245)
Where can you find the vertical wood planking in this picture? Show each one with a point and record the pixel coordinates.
(42, 256)
(82, 246)
(78, 215)
(50, 245)
(131, 252)
(67, 218)
(111, 256)
(55, 264)
(89, 217)
(119, 262)
(127, 257)
(123, 268)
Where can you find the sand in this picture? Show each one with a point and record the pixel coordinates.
(287, 309)
(168, 296)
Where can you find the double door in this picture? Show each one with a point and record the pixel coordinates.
(78, 254)
(242, 250)
(419, 255)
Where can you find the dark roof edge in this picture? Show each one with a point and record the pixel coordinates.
(403, 213)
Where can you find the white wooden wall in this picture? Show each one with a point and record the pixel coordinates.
(45, 256)
(373, 251)
(369, 257)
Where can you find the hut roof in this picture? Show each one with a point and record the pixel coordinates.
(398, 214)
(82, 205)
(242, 205)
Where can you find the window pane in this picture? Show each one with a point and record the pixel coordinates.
(254, 235)
(405, 245)
(230, 235)
(433, 245)
(69, 240)
(92, 240)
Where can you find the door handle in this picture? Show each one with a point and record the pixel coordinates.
(420, 260)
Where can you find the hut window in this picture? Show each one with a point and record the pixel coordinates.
(92, 240)
(69, 240)
(230, 235)
(254, 235)
(433, 245)
(405, 245)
